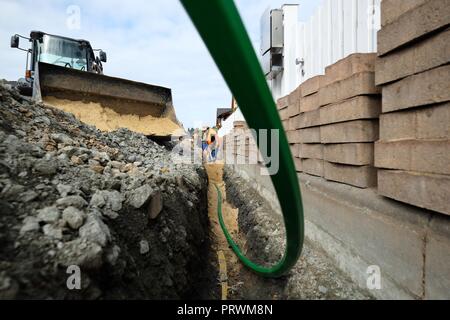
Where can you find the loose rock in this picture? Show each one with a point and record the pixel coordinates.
(29, 196)
(95, 230)
(155, 206)
(64, 190)
(48, 215)
(62, 138)
(82, 253)
(110, 201)
(30, 224)
(144, 247)
(45, 167)
(73, 217)
(140, 196)
(74, 201)
(52, 231)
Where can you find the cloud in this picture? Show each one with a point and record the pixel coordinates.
(149, 41)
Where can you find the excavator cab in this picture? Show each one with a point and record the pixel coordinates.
(59, 51)
(67, 74)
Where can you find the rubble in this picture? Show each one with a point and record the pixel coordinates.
(73, 217)
(144, 247)
(140, 196)
(48, 215)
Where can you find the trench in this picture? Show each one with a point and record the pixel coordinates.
(259, 232)
(235, 281)
(228, 264)
(124, 253)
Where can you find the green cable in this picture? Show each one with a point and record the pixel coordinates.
(222, 30)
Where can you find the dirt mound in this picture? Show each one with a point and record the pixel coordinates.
(113, 204)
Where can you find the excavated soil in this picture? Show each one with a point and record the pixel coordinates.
(108, 120)
(114, 204)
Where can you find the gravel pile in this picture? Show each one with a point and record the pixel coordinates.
(113, 204)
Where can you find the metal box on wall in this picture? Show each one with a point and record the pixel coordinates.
(272, 41)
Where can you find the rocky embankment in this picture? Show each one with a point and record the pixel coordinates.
(114, 204)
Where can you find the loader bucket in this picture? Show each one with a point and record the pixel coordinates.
(106, 102)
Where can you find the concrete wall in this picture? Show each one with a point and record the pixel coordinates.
(413, 154)
(359, 228)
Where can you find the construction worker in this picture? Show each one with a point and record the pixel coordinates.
(205, 144)
(214, 144)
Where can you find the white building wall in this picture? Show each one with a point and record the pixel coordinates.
(336, 29)
(227, 126)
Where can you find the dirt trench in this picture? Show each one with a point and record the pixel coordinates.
(228, 266)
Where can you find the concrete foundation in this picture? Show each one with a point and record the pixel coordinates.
(363, 231)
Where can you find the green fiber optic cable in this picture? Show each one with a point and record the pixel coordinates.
(222, 30)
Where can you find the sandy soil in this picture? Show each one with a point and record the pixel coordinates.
(106, 119)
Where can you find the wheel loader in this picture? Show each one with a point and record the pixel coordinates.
(67, 74)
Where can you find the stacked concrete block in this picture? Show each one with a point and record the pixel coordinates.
(229, 145)
(283, 110)
(310, 150)
(234, 137)
(297, 161)
(293, 127)
(234, 141)
(350, 105)
(247, 149)
(413, 154)
(290, 121)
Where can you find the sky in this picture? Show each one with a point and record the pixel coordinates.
(151, 41)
